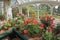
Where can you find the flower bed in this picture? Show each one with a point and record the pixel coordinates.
(45, 29)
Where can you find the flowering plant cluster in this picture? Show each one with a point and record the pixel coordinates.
(31, 26)
(47, 22)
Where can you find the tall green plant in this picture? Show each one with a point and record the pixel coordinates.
(47, 35)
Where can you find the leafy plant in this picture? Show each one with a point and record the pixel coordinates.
(47, 22)
(31, 25)
(6, 24)
(48, 35)
(58, 37)
(2, 17)
(57, 29)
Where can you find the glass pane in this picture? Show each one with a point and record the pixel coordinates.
(24, 10)
(33, 11)
(15, 11)
(1, 7)
(14, 2)
(56, 11)
(44, 9)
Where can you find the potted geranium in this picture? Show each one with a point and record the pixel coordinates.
(31, 27)
(47, 22)
(47, 27)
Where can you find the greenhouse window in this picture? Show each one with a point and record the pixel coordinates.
(1, 7)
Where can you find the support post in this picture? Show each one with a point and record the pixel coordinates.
(28, 12)
(51, 10)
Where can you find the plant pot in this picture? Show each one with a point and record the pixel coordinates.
(2, 31)
(2, 19)
(2, 28)
(9, 27)
(34, 35)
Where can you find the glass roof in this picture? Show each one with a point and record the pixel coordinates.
(25, 1)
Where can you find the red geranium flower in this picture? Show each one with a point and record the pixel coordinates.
(25, 21)
(28, 20)
(42, 25)
(35, 22)
(46, 16)
(25, 31)
(50, 28)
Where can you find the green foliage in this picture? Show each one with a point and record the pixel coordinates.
(57, 11)
(6, 24)
(58, 37)
(1, 16)
(31, 9)
(32, 29)
(47, 35)
(57, 29)
(44, 8)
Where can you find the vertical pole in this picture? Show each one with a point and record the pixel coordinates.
(9, 13)
(38, 10)
(2, 8)
(28, 12)
(38, 14)
(20, 10)
(51, 10)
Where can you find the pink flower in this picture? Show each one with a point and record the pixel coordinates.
(51, 22)
(50, 28)
(25, 31)
(53, 19)
(42, 25)
(53, 25)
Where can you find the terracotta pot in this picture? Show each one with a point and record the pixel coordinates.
(3, 28)
(34, 35)
(2, 31)
(2, 19)
(9, 27)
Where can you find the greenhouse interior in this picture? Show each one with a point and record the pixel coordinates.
(29, 19)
